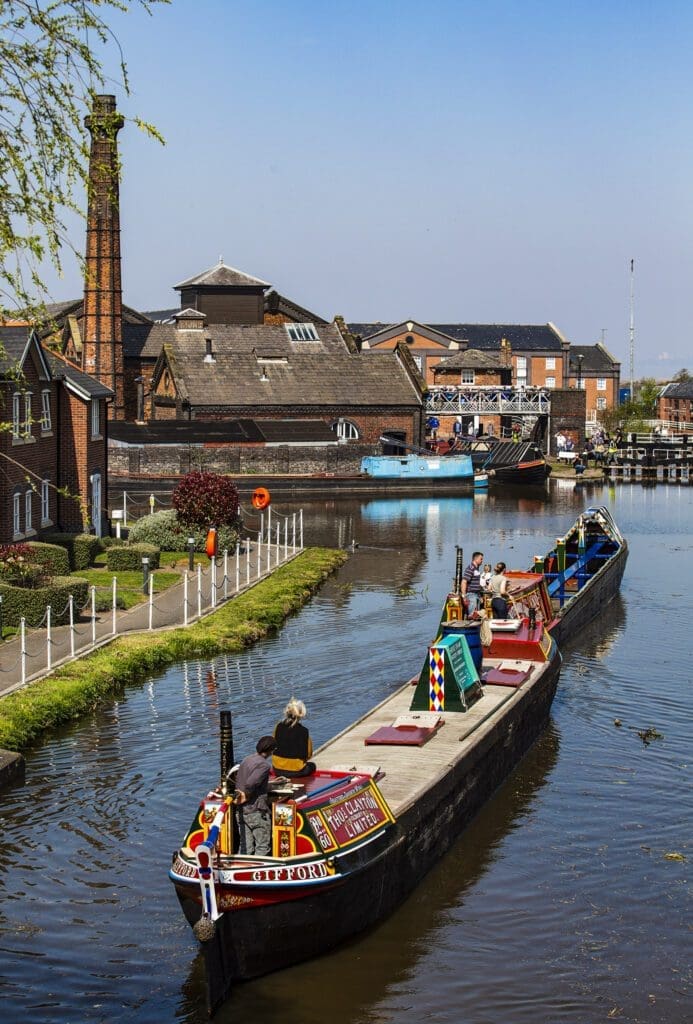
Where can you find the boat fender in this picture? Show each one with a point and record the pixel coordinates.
(204, 928)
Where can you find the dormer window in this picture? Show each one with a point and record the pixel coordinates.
(302, 332)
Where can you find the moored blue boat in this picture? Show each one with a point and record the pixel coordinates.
(418, 467)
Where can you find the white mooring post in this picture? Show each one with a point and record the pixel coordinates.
(226, 575)
(261, 531)
(49, 640)
(213, 581)
(247, 562)
(93, 616)
(286, 538)
(279, 544)
(22, 646)
(259, 557)
(71, 603)
(151, 601)
(294, 534)
(114, 595)
(185, 598)
(300, 541)
(199, 591)
(125, 508)
(238, 566)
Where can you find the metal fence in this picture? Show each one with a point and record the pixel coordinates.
(38, 649)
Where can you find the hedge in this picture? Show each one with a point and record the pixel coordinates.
(130, 556)
(52, 557)
(164, 530)
(20, 602)
(82, 548)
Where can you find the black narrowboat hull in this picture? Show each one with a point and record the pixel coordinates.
(249, 943)
(590, 600)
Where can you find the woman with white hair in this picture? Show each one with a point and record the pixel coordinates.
(294, 746)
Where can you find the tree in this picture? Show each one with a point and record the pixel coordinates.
(682, 377)
(206, 499)
(49, 71)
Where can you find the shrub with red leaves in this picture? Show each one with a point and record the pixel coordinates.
(206, 499)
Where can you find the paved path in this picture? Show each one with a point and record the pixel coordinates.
(168, 610)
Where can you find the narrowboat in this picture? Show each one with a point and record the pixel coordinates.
(418, 467)
(571, 584)
(389, 796)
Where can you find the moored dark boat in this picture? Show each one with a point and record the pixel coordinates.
(390, 795)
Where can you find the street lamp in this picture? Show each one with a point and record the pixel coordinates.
(191, 554)
(145, 575)
(579, 379)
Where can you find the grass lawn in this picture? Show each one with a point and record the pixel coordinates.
(129, 585)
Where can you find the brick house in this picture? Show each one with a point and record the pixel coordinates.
(539, 351)
(55, 442)
(675, 405)
(284, 372)
(594, 370)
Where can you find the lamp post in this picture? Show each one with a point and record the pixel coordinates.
(579, 379)
(191, 554)
(145, 575)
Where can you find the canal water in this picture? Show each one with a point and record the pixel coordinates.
(565, 901)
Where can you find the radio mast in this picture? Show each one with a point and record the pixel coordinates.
(632, 334)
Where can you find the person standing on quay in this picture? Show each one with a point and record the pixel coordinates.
(471, 583)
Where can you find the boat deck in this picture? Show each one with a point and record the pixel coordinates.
(410, 770)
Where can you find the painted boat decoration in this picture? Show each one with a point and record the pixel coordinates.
(389, 796)
(568, 586)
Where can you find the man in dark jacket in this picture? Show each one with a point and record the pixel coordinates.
(251, 795)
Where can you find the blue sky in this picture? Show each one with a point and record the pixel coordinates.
(481, 162)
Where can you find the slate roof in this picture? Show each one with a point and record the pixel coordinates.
(310, 373)
(595, 358)
(677, 389)
(522, 337)
(469, 359)
(243, 431)
(87, 386)
(13, 341)
(223, 276)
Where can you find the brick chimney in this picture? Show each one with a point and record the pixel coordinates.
(102, 347)
(505, 357)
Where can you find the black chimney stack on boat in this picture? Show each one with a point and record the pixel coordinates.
(225, 746)
(459, 569)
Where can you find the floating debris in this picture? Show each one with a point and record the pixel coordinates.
(618, 723)
(647, 735)
(674, 855)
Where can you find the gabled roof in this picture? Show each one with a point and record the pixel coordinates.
(222, 276)
(470, 359)
(276, 303)
(677, 389)
(384, 332)
(522, 337)
(81, 384)
(306, 373)
(594, 359)
(16, 343)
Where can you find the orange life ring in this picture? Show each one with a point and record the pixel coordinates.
(260, 498)
(211, 542)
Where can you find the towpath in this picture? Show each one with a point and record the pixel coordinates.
(24, 661)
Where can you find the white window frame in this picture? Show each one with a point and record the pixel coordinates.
(45, 503)
(550, 362)
(601, 383)
(346, 430)
(418, 359)
(521, 371)
(16, 417)
(16, 514)
(581, 384)
(95, 419)
(28, 511)
(28, 418)
(95, 481)
(550, 382)
(46, 423)
(302, 332)
(467, 377)
(601, 402)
